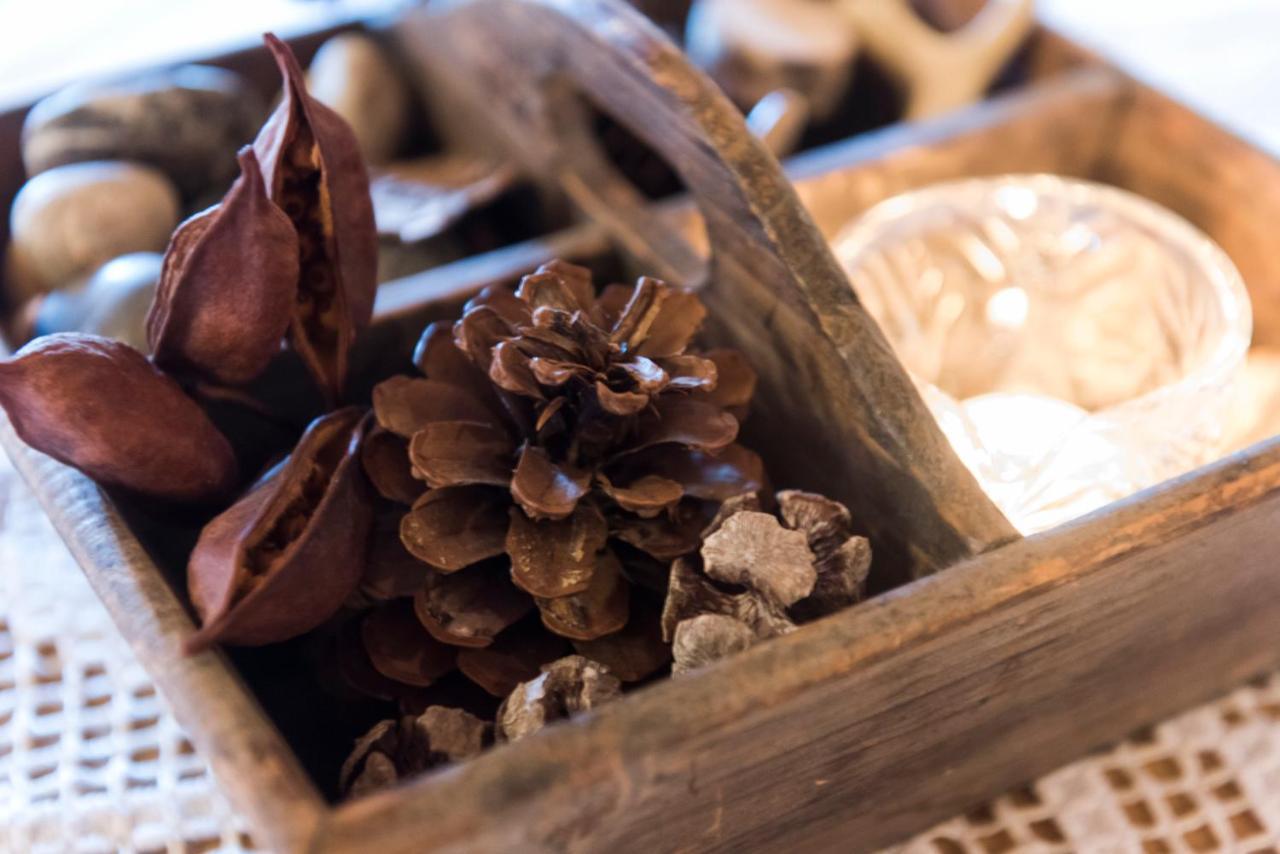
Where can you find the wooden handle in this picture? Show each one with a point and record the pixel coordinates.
(835, 410)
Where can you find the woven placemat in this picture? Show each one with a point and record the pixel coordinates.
(92, 761)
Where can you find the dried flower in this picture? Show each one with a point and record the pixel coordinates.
(286, 556)
(228, 285)
(314, 171)
(394, 749)
(100, 406)
(566, 687)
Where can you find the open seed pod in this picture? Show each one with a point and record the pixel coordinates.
(228, 286)
(313, 170)
(100, 406)
(287, 555)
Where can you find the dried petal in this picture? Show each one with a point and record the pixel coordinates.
(314, 171)
(576, 279)
(565, 688)
(555, 373)
(686, 421)
(706, 638)
(286, 556)
(517, 655)
(510, 370)
(544, 489)
(471, 607)
(549, 289)
(635, 653)
(753, 550)
(640, 313)
(228, 286)
(503, 302)
(646, 497)
(385, 458)
(691, 593)
(551, 558)
(597, 611)
(679, 317)
(100, 406)
(439, 358)
(478, 332)
(400, 649)
(405, 405)
(457, 453)
(620, 402)
(456, 526)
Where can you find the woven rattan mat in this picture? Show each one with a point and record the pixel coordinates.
(92, 761)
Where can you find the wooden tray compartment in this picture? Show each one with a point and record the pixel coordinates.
(872, 723)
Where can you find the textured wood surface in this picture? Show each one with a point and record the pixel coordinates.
(837, 413)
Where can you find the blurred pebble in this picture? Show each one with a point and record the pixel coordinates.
(70, 220)
(113, 303)
(187, 121)
(353, 77)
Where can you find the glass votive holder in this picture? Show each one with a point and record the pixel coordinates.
(1076, 342)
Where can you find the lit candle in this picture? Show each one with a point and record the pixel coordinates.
(1075, 342)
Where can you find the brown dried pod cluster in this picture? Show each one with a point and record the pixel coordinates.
(100, 406)
(757, 577)
(560, 451)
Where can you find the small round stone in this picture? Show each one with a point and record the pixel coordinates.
(352, 75)
(69, 221)
(186, 121)
(113, 303)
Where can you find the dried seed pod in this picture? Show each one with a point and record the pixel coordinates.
(599, 610)
(568, 686)
(753, 550)
(706, 638)
(691, 593)
(400, 649)
(286, 556)
(228, 286)
(314, 171)
(100, 406)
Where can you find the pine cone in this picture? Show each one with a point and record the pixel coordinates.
(565, 449)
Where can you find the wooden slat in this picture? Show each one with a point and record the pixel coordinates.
(874, 723)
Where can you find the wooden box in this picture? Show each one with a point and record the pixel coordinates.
(1011, 658)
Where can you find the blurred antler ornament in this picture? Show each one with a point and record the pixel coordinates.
(940, 71)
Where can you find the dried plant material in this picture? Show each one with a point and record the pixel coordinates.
(404, 405)
(396, 749)
(286, 556)
(227, 287)
(737, 504)
(566, 687)
(400, 649)
(735, 381)
(599, 610)
(691, 594)
(458, 453)
(101, 407)
(517, 655)
(700, 640)
(314, 171)
(555, 558)
(390, 571)
(469, 608)
(382, 455)
(418, 199)
(841, 558)
(634, 653)
(753, 550)
(456, 526)
(665, 538)
(547, 490)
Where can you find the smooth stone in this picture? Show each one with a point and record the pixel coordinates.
(113, 303)
(69, 221)
(352, 76)
(187, 121)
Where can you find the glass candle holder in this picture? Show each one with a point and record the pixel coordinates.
(1076, 342)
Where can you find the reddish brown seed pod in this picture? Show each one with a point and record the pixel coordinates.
(314, 171)
(228, 286)
(286, 556)
(100, 406)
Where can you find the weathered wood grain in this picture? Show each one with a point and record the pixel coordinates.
(837, 412)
